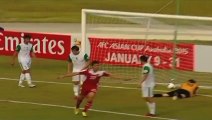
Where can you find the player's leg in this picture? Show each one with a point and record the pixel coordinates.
(172, 93)
(178, 94)
(79, 101)
(183, 94)
(28, 77)
(147, 93)
(151, 106)
(168, 94)
(22, 76)
(76, 85)
(21, 79)
(82, 79)
(90, 97)
(158, 95)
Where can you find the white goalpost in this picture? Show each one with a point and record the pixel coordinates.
(117, 39)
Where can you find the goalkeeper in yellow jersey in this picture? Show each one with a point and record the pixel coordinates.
(187, 89)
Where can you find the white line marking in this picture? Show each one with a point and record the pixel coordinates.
(69, 107)
(116, 87)
(134, 83)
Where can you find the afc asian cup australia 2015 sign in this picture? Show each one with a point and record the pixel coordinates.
(126, 52)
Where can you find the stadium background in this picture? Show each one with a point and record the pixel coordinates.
(41, 103)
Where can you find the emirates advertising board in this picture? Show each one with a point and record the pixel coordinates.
(50, 46)
(124, 52)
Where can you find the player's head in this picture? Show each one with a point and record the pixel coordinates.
(144, 58)
(191, 82)
(27, 38)
(1, 29)
(75, 50)
(95, 65)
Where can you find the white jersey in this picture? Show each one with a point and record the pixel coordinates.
(24, 51)
(149, 71)
(79, 61)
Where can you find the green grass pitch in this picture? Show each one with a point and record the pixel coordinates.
(52, 99)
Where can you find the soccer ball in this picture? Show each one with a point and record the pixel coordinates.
(171, 86)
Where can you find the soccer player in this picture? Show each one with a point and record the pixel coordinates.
(187, 89)
(90, 85)
(23, 50)
(77, 61)
(147, 85)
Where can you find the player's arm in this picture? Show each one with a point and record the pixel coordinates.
(68, 75)
(86, 64)
(18, 48)
(70, 65)
(13, 58)
(144, 78)
(32, 53)
(73, 74)
(195, 91)
(145, 73)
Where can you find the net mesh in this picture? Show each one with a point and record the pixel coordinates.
(119, 40)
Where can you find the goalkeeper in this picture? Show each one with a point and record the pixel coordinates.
(187, 89)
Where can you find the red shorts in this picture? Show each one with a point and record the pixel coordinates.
(85, 91)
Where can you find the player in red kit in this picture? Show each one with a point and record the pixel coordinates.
(90, 85)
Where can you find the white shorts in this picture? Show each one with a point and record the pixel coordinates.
(25, 65)
(80, 78)
(147, 91)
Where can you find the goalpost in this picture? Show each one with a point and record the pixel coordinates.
(117, 39)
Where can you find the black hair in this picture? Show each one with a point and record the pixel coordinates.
(144, 58)
(1, 29)
(94, 62)
(192, 81)
(27, 36)
(75, 48)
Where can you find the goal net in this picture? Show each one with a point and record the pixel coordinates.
(173, 43)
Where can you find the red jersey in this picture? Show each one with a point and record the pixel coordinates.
(92, 78)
